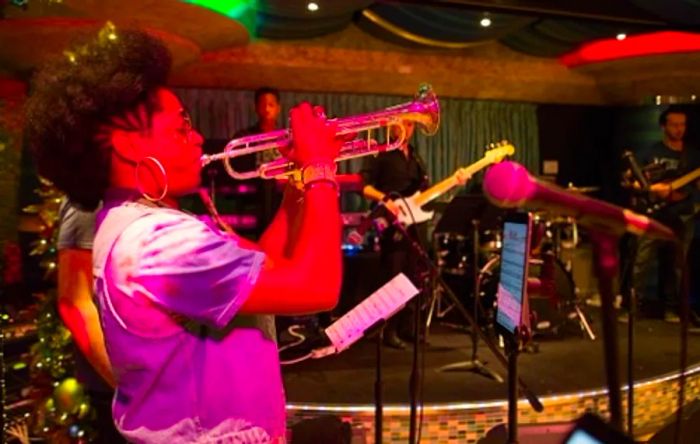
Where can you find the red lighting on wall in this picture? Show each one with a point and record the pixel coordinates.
(663, 42)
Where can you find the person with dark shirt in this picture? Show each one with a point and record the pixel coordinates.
(267, 110)
(388, 176)
(663, 161)
(391, 174)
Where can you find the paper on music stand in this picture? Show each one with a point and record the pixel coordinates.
(382, 304)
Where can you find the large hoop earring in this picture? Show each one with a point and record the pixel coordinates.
(162, 171)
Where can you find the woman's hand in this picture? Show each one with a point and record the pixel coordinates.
(314, 139)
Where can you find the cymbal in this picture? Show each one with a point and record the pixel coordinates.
(576, 189)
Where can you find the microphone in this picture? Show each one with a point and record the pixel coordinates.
(509, 185)
(374, 217)
(628, 156)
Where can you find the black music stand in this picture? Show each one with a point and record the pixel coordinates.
(461, 210)
(470, 214)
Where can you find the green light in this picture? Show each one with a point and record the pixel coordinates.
(242, 11)
(19, 366)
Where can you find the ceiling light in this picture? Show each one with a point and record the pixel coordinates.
(312, 6)
(621, 36)
(485, 22)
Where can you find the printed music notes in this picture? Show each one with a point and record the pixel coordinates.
(381, 305)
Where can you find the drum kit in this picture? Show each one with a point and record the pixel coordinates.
(467, 255)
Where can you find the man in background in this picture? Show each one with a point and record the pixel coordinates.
(663, 162)
(389, 175)
(267, 110)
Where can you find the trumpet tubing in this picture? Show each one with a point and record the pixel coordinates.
(424, 110)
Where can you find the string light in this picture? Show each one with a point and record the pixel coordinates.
(312, 6)
(621, 36)
(485, 21)
(3, 370)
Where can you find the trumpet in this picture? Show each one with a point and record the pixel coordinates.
(424, 110)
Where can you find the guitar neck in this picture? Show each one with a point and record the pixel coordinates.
(445, 185)
(686, 179)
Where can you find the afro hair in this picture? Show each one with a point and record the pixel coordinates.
(74, 97)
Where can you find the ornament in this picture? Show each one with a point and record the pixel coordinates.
(68, 396)
(50, 405)
(83, 410)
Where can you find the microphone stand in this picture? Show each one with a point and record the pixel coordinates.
(415, 372)
(606, 261)
(378, 390)
(627, 278)
(475, 365)
(512, 346)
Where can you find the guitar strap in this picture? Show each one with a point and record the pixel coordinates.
(421, 167)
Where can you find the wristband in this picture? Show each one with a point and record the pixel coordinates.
(321, 184)
(319, 172)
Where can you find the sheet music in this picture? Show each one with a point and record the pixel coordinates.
(382, 304)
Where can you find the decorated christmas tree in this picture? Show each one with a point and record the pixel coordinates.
(60, 409)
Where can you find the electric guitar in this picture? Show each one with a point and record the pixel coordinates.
(410, 207)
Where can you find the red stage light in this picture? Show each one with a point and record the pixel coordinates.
(663, 42)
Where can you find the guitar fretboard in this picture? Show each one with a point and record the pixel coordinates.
(443, 186)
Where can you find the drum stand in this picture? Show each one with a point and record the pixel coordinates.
(474, 364)
(557, 250)
(438, 306)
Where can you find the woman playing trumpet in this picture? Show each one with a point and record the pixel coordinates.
(181, 302)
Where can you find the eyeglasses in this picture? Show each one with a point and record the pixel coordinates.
(185, 128)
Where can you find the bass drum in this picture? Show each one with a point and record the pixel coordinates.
(455, 252)
(551, 293)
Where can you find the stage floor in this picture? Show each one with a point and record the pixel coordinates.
(568, 365)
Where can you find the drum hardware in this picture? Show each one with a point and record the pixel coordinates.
(553, 306)
(454, 258)
(553, 295)
(475, 364)
(584, 190)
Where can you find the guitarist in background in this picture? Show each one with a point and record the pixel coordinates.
(662, 162)
(386, 176)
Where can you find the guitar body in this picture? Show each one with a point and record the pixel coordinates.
(411, 212)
